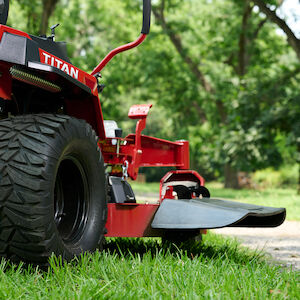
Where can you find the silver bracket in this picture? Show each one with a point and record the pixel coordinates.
(125, 170)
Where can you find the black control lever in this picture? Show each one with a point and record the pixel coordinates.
(146, 16)
(52, 36)
(4, 6)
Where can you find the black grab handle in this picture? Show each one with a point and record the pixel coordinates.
(4, 5)
(146, 16)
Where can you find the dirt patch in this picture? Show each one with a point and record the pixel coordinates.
(282, 243)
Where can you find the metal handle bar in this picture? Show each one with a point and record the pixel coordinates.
(145, 31)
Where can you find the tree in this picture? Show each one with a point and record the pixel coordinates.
(37, 15)
(242, 58)
(48, 9)
(294, 42)
(273, 17)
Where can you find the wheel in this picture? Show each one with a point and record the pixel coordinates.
(52, 188)
(178, 237)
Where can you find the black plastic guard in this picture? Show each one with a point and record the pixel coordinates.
(121, 191)
(210, 213)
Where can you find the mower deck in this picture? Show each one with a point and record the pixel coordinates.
(149, 220)
(215, 213)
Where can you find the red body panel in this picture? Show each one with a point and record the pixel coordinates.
(90, 109)
(5, 81)
(4, 28)
(85, 78)
(87, 107)
(131, 220)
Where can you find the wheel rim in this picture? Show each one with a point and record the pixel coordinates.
(71, 200)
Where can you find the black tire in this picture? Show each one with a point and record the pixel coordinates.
(179, 237)
(52, 188)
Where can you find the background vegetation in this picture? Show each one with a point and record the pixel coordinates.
(219, 72)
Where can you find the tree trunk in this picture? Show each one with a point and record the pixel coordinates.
(243, 56)
(48, 9)
(299, 179)
(231, 177)
(299, 169)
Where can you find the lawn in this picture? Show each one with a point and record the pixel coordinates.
(141, 269)
(287, 198)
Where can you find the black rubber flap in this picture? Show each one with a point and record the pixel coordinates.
(209, 213)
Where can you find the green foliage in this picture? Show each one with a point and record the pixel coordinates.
(286, 176)
(25, 14)
(260, 127)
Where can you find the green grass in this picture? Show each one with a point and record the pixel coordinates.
(141, 269)
(148, 188)
(287, 198)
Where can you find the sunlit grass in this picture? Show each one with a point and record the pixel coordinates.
(142, 269)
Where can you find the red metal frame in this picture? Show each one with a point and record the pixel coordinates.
(178, 175)
(134, 219)
(145, 151)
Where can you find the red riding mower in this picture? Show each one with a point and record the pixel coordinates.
(64, 170)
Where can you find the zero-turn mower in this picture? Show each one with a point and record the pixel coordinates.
(64, 170)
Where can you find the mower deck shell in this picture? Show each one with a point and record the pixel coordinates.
(210, 213)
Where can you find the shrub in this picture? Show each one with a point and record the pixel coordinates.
(286, 176)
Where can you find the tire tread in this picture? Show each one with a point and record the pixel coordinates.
(25, 144)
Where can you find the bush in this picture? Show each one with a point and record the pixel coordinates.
(286, 176)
